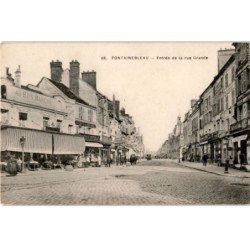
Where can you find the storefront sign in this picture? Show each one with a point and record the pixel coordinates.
(32, 98)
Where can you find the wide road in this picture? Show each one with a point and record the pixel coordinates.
(156, 182)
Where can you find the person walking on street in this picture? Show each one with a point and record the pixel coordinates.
(242, 160)
(204, 159)
(109, 161)
(226, 165)
(99, 159)
(19, 165)
(219, 159)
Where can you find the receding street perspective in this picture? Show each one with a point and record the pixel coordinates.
(125, 123)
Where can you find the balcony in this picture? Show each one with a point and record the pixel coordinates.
(52, 129)
(240, 125)
(91, 138)
(107, 140)
(206, 137)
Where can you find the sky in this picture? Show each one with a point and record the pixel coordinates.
(153, 91)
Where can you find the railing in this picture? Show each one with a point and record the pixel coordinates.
(106, 140)
(206, 137)
(243, 124)
(84, 123)
(91, 138)
(52, 129)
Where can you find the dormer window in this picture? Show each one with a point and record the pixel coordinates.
(22, 119)
(3, 92)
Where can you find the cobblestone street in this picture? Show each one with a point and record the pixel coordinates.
(156, 182)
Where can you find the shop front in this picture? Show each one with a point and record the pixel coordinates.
(240, 149)
(92, 154)
(35, 147)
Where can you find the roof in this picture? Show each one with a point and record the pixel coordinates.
(33, 90)
(68, 92)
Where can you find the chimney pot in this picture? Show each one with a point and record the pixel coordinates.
(74, 75)
(90, 78)
(56, 71)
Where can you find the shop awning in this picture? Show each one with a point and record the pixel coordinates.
(239, 138)
(41, 142)
(203, 143)
(68, 144)
(94, 145)
(35, 141)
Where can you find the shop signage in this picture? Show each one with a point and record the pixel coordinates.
(32, 98)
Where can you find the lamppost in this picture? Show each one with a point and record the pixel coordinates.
(22, 141)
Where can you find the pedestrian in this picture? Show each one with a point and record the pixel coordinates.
(219, 160)
(109, 162)
(99, 160)
(242, 160)
(204, 159)
(19, 165)
(231, 162)
(226, 165)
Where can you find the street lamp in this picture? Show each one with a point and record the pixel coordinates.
(22, 141)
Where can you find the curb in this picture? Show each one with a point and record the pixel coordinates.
(203, 170)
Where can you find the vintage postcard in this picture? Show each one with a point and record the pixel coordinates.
(125, 123)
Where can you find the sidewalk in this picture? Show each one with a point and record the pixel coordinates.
(213, 169)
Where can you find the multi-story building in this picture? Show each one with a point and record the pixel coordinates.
(240, 129)
(222, 131)
(206, 122)
(174, 141)
(42, 120)
(194, 139)
(62, 115)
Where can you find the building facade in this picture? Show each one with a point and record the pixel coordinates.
(218, 123)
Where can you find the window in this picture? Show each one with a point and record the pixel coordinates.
(239, 85)
(22, 119)
(222, 83)
(77, 129)
(209, 100)
(233, 97)
(226, 80)
(240, 113)
(70, 129)
(4, 116)
(58, 124)
(232, 74)
(45, 122)
(228, 125)
(222, 103)
(3, 92)
(227, 102)
(81, 113)
(90, 115)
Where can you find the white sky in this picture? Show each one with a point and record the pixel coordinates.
(154, 92)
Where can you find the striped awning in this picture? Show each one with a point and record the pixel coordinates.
(35, 141)
(94, 145)
(41, 142)
(68, 144)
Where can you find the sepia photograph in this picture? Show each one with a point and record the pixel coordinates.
(125, 123)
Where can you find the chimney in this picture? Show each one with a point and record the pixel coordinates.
(74, 75)
(18, 76)
(8, 75)
(123, 111)
(56, 71)
(223, 56)
(117, 109)
(90, 78)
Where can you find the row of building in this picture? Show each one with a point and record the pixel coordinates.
(65, 115)
(218, 122)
